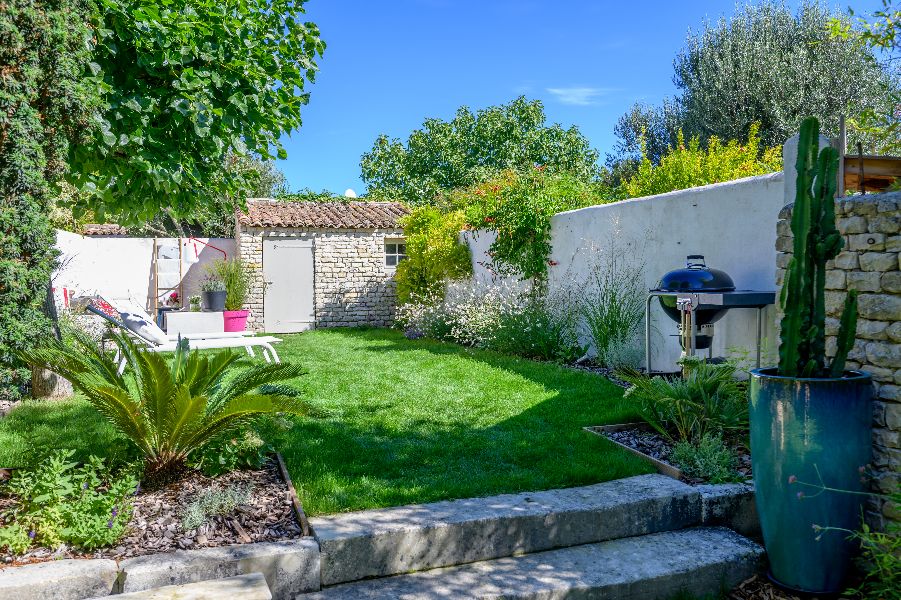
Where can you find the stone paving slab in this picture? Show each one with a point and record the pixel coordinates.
(377, 543)
(290, 567)
(698, 561)
(59, 580)
(243, 587)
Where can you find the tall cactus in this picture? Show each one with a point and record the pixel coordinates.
(802, 352)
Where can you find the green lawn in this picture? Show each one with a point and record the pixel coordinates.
(406, 421)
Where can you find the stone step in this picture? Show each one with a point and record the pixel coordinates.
(243, 587)
(378, 543)
(698, 561)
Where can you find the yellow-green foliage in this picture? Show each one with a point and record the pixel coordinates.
(434, 253)
(691, 166)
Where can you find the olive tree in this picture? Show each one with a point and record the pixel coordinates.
(770, 66)
(762, 65)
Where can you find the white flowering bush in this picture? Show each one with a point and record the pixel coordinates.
(504, 316)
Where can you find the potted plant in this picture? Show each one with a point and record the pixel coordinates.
(810, 421)
(173, 301)
(212, 289)
(194, 303)
(234, 277)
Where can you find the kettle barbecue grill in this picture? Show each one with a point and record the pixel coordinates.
(696, 297)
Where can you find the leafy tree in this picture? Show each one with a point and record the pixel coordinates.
(768, 66)
(882, 34)
(691, 166)
(215, 219)
(646, 131)
(444, 155)
(188, 83)
(46, 105)
(763, 65)
(308, 195)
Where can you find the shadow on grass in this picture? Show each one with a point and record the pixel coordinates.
(366, 461)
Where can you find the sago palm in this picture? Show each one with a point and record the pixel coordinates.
(169, 407)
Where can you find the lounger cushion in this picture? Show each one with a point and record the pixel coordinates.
(143, 327)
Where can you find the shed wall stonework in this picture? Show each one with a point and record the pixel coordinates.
(352, 286)
(869, 263)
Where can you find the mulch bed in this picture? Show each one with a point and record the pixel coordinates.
(656, 446)
(759, 588)
(603, 371)
(156, 522)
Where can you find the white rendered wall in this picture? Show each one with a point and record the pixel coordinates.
(121, 267)
(733, 224)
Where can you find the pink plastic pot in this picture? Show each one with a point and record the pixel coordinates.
(235, 320)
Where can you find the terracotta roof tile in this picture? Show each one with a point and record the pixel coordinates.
(103, 229)
(322, 215)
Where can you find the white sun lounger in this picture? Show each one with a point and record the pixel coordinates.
(199, 341)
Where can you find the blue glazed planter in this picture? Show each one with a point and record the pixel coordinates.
(809, 431)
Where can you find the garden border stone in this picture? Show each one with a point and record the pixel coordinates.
(290, 567)
(69, 579)
(241, 587)
(376, 543)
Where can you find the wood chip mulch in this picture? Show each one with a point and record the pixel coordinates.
(760, 588)
(156, 524)
(656, 446)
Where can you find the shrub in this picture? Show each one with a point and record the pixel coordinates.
(214, 502)
(58, 502)
(707, 400)
(504, 316)
(49, 108)
(435, 254)
(709, 459)
(170, 408)
(691, 166)
(241, 449)
(613, 311)
(544, 327)
(519, 207)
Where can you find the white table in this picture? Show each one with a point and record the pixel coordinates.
(184, 322)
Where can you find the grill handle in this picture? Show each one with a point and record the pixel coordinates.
(694, 261)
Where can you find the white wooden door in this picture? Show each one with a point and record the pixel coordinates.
(288, 298)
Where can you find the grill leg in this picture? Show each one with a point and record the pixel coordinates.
(647, 334)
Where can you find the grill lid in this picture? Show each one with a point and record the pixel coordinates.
(695, 277)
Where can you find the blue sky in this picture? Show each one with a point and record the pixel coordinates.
(392, 63)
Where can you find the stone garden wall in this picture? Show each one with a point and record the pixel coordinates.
(869, 263)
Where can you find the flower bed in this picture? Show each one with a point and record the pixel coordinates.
(260, 506)
(658, 450)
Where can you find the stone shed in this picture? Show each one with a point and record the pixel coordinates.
(315, 264)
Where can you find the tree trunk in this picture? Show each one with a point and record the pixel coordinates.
(44, 383)
(47, 384)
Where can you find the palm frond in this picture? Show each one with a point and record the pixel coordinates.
(240, 410)
(189, 411)
(251, 379)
